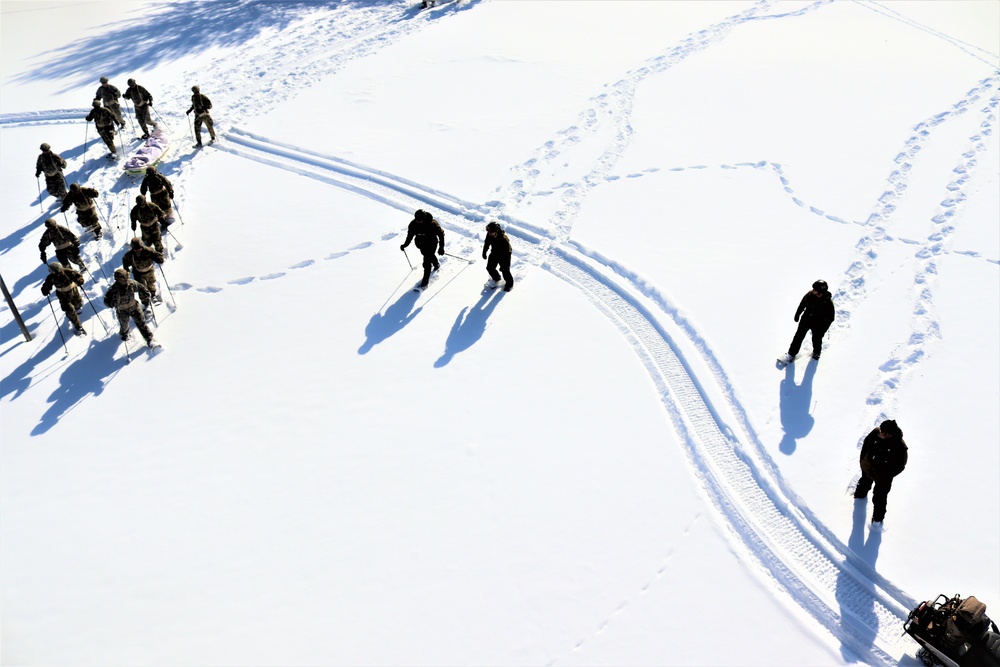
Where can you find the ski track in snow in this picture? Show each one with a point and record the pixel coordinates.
(779, 535)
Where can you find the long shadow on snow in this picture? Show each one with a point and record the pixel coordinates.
(794, 402)
(167, 32)
(858, 610)
(86, 376)
(469, 327)
(383, 325)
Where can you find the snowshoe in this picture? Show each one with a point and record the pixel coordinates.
(491, 284)
(80, 331)
(784, 360)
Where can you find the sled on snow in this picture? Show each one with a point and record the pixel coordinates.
(954, 632)
(149, 154)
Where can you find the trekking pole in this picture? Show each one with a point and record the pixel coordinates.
(39, 184)
(58, 327)
(179, 216)
(99, 266)
(166, 284)
(86, 137)
(121, 141)
(190, 125)
(461, 258)
(106, 329)
(395, 290)
(180, 246)
(407, 258)
(66, 218)
(131, 123)
(152, 311)
(160, 118)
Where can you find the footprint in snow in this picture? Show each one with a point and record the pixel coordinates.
(181, 287)
(302, 265)
(336, 255)
(210, 290)
(272, 276)
(242, 281)
(360, 246)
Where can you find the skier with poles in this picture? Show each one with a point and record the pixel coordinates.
(883, 457)
(104, 121)
(142, 101)
(65, 242)
(148, 216)
(201, 105)
(427, 235)
(499, 256)
(161, 191)
(65, 282)
(52, 165)
(815, 313)
(142, 260)
(86, 208)
(121, 297)
(108, 95)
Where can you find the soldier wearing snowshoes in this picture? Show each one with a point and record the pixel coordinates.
(121, 297)
(142, 102)
(201, 105)
(108, 95)
(86, 208)
(142, 261)
(148, 216)
(104, 121)
(500, 252)
(160, 189)
(815, 313)
(426, 233)
(883, 457)
(66, 281)
(65, 242)
(52, 165)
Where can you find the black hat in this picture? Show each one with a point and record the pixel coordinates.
(104, 79)
(820, 285)
(890, 428)
(195, 89)
(139, 199)
(131, 82)
(46, 147)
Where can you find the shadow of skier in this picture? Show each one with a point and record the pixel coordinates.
(859, 623)
(469, 326)
(383, 325)
(794, 401)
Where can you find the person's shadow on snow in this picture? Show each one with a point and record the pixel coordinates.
(469, 326)
(383, 325)
(856, 595)
(794, 402)
(86, 376)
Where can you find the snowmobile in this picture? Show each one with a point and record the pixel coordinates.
(954, 632)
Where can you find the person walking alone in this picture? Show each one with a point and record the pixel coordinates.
(815, 313)
(883, 456)
(200, 105)
(500, 252)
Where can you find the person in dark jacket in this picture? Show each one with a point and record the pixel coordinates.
(142, 260)
(66, 281)
(121, 297)
(52, 165)
(149, 217)
(65, 242)
(108, 95)
(500, 251)
(426, 234)
(200, 105)
(883, 456)
(161, 191)
(142, 102)
(815, 313)
(104, 121)
(86, 207)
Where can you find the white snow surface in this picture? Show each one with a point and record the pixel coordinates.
(603, 466)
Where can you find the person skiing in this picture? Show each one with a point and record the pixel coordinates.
(121, 297)
(883, 457)
(86, 209)
(815, 313)
(148, 216)
(65, 242)
(104, 121)
(426, 233)
(201, 105)
(140, 259)
(108, 95)
(500, 251)
(65, 281)
(142, 102)
(52, 165)
(161, 191)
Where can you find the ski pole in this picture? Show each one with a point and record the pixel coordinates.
(58, 326)
(461, 258)
(106, 330)
(131, 123)
(39, 184)
(86, 137)
(407, 258)
(121, 141)
(179, 216)
(66, 218)
(166, 284)
(180, 246)
(395, 290)
(160, 118)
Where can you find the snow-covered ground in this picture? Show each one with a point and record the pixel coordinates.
(602, 466)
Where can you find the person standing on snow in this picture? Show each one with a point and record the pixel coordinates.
(161, 191)
(201, 105)
(883, 457)
(65, 281)
(52, 165)
(66, 243)
(142, 102)
(142, 261)
(426, 233)
(108, 95)
(500, 253)
(148, 216)
(86, 209)
(104, 121)
(815, 313)
(121, 297)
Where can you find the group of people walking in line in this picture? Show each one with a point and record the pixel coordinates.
(883, 452)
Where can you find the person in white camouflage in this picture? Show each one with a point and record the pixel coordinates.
(121, 297)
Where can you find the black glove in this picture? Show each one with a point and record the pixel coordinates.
(45, 292)
(188, 112)
(133, 226)
(37, 174)
(440, 251)
(44, 257)
(796, 318)
(484, 255)
(403, 247)
(76, 246)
